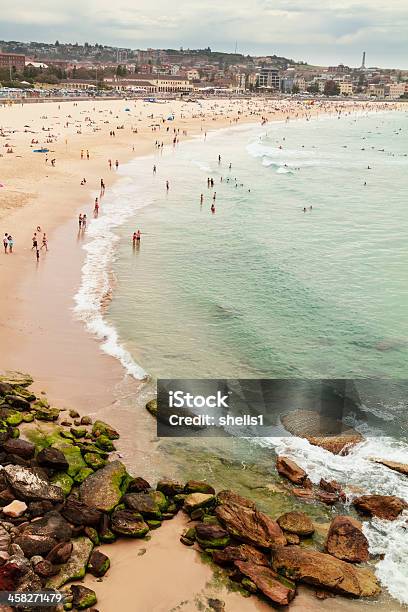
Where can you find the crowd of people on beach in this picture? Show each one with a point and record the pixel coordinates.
(235, 110)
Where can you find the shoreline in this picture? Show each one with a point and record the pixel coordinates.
(39, 332)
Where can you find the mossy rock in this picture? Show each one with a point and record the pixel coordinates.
(67, 434)
(15, 432)
(179, 499)
(249, 585)
(104, 488)
(14, 418)
(153, 524)
(47, 414)
(16, 379)
(73, 414)
(151, 407)
(93, 535)
(28, 395)
(107, 537)
(94, 461)
(160, 499)
(75, 567)
(64, 481)
(87, 447)
(100, 428)
(28, 418)
(78, 432)
(104, 443)
(82, 474)
(74, 457)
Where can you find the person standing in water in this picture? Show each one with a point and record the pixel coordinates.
(44, 244)
(167, 185)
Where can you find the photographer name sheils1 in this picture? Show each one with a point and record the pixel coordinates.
(218, 402)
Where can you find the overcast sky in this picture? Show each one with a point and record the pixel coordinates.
(317, 31)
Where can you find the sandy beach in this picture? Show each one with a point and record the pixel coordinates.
(39, 332)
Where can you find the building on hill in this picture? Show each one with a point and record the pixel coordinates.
(153, 83)
(12, 61)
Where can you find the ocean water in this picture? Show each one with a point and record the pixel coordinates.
(261, 288)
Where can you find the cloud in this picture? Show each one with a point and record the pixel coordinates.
(320, 31)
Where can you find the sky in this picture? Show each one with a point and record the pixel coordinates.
(323, 32)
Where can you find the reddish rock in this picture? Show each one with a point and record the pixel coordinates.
(324, 571)
(401, 468)
(243, 552)
(10, 573)
(60, 553)
(346, 541)
(327, 498)
(290, 470)
(296, 522)
(303, 493)
(281, 592)
(386, 507)
(247, 524)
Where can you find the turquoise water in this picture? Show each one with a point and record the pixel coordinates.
(261, 288)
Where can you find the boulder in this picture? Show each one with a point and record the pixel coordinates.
(275, 588)
(290, 470)
(170, 487)
(401, 468)
(5, 389)
(32, 544)
(45, 569)
(324, 571)
(128, 523)
(46, 413)
(60, 553)
(104, 443)
(75, 567)
(104, 489)
(197, 486)
(78, 513)
(16, 379)
(15, 509)
(296, 522)
(243, 552)
(144, 503)
(5, 539)
(10, 575)
(151, 406)
(31, 484)
(52, 524)
(193, 501)
(327, 498)
(98, 564)
(39, 508)
(137, 485)
(321, 430)
(19, 447)
(82, 597)
(211, 536)
(95, 461)
(18, 402)
(64, 481)
(346, 540)
(247, 524)
(52, 458)
(386, 507)
(103, 429)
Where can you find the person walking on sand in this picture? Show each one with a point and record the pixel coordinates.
(154, 169)
(80, 219)
(116, 164)
(10, 243)
(102, 186)
(110, 164)
(96, 208)
(44, 244)
(84, 222)
(87, 154)
(5, 243)
(82, 154)
(35, 241)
